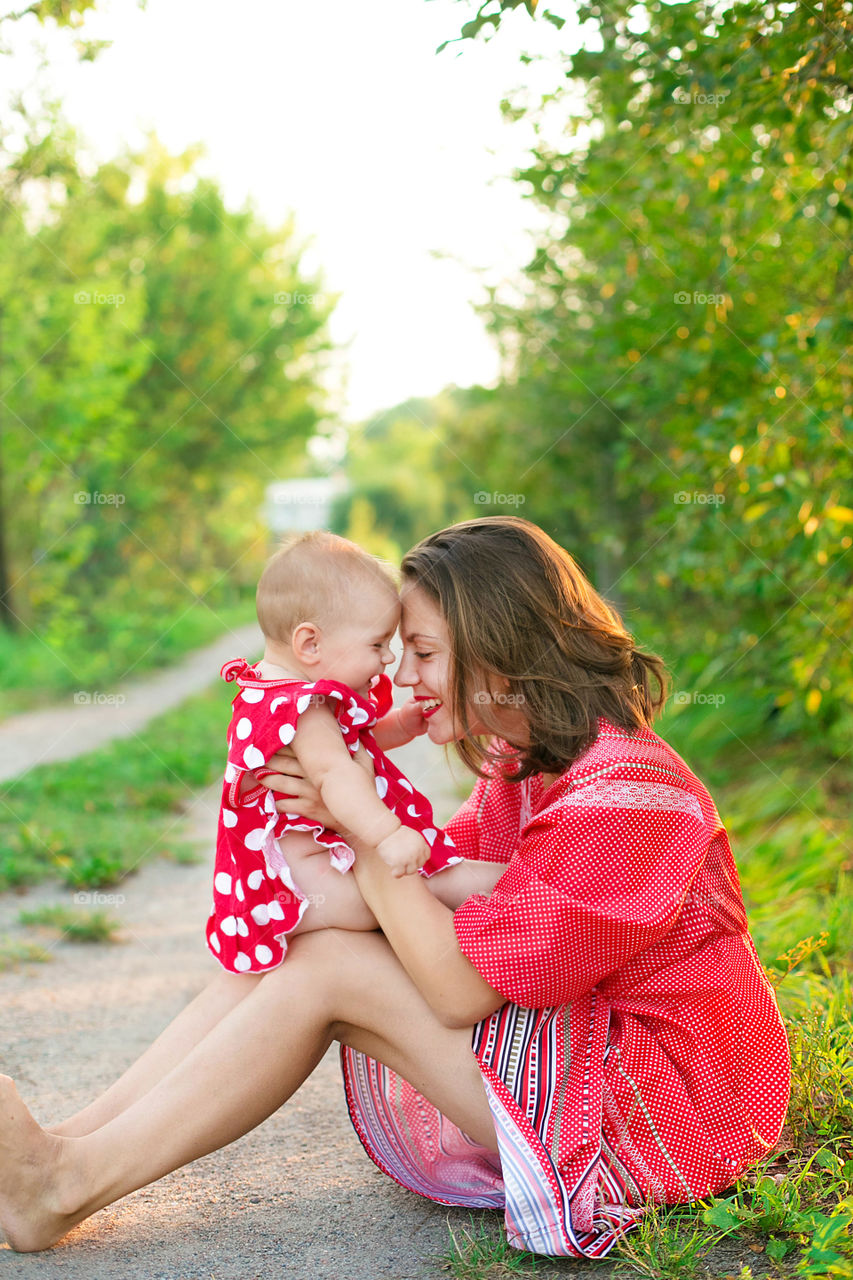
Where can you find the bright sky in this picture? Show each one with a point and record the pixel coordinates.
(341, 111)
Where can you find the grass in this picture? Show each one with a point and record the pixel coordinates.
(475, 1253)
(34, 671)
(13, 954)
(91, 821)
(73, 925)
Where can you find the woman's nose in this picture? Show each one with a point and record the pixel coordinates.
(403, 676)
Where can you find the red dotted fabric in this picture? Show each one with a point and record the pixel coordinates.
(256, 901)
(620, 917)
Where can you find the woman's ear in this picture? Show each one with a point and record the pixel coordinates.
(305, 643)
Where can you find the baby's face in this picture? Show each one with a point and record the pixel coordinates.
(359, 649)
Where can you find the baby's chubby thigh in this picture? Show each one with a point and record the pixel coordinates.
(334, 900)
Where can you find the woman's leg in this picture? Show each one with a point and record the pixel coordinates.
(324, 886)
(249, 1063)
(183, 1033)
(335, 903)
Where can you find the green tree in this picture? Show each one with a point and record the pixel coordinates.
(163, 354)
(678, 380)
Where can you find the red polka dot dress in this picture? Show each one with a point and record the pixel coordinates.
(640, 1055)
(256, 901)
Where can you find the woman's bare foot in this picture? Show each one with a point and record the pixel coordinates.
(34, 1207)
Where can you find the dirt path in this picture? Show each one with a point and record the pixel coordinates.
(92, 717)
(298, 1197)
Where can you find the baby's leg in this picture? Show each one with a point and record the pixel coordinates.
(458, 882)
(334, 899)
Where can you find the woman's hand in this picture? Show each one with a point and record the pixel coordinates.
(302, 795)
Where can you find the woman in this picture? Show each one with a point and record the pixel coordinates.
(627, 1046)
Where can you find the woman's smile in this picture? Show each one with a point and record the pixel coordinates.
(429, 704)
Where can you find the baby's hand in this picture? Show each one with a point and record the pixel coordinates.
(404, 851)
(412, 719)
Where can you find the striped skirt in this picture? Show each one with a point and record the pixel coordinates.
(412, 1142)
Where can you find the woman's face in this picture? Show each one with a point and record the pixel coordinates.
(426, 668)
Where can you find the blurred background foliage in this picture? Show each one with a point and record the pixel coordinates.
(677, 397)
(161, 360)
(675, 403)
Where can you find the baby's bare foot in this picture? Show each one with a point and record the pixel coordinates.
(34, 1211)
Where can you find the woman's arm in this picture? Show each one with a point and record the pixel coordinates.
(453, 885)
(421, 933)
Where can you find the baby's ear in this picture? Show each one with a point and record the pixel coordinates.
(305, 643)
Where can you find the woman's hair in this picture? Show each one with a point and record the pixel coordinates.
(314, 577)
(528, 629)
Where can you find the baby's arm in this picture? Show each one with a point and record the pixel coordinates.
(453, 885)
(399, 726)
(350, 795)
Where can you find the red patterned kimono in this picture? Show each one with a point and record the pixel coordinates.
(641, 1056)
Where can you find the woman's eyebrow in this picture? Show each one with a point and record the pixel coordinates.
(419, 635)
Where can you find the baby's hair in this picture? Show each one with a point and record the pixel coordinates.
(314, 577)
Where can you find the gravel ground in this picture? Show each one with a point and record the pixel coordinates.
(297, 1197)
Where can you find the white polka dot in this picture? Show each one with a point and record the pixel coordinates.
(263, 955)
(242, 962)
(404, 782)
(214, 942)
(254, 839)
(239, 891)
(303, 702)
(255, 879)
(252, 758)
(222, 882)
(243, 728)
(360, 716)
(229, 926)
(429, 834)
(253, 695)
(412, 811)
(276, 913)
(276, 702)
(242, 927)
(229, 817)
(260, 914)
(231, 772)
(381, 787)
(287, 733)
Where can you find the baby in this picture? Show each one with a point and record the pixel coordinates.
(328, 611)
